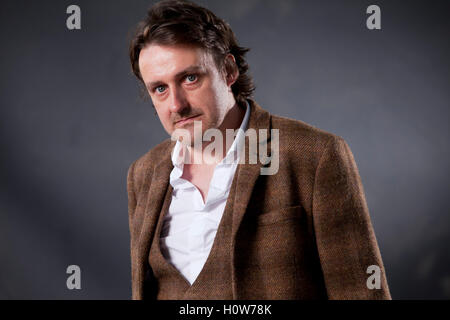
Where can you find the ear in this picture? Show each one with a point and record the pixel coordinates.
(231, 70)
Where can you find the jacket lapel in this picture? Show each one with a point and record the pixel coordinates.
(155, 199)
(246, 175)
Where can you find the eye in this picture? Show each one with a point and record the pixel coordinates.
(191, 77)
(160, 89)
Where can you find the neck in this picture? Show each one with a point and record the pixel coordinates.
(232, 120)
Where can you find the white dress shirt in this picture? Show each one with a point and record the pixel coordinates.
(190, 225)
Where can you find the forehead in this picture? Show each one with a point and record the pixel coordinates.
(161, 61)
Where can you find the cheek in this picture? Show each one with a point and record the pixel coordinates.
(221, 95)
(213, 96)
(164, 117)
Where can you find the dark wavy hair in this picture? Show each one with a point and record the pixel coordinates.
(180, 22)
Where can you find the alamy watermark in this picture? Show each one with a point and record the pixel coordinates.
(373, 22)
(74, 280)
(73, 21)
(213, 152)
(374, 281)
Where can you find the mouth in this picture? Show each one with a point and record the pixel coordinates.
(186, 120)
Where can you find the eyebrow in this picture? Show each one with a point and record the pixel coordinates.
(180, 74)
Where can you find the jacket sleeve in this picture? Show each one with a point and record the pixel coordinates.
(131, 209)
(130, 190)
(348, 251)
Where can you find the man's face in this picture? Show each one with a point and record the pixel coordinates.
(184, 82)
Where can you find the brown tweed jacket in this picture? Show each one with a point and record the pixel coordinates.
(303, 233)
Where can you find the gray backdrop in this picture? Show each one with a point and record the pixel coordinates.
(72, 122)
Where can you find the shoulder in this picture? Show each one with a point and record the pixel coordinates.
(153, 155)
(302, 139)
(142, 167)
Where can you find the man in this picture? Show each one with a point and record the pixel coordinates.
(222, 229)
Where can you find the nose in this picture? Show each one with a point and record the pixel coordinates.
(178, 100)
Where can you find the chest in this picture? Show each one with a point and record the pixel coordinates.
(200, 176)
